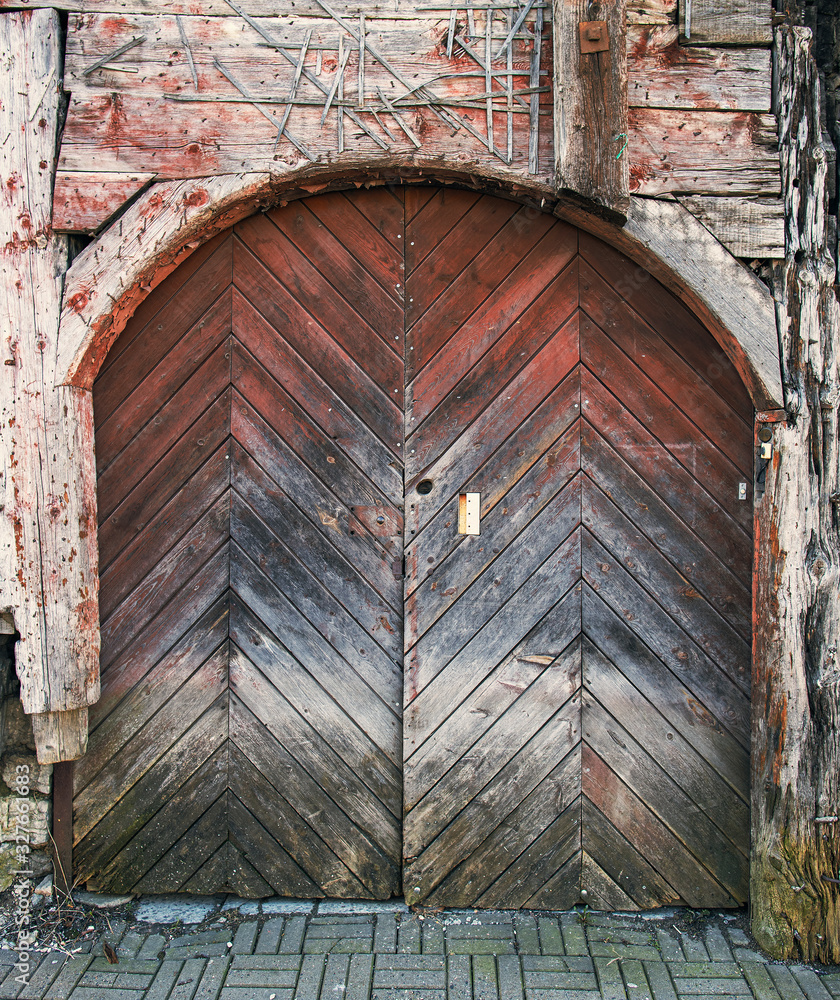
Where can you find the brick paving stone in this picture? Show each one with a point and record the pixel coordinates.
(738, 937)
(71, 972)
(544, 963)
(480, 946)
(215, 936)
(433, 936)
(742, 955)
(574, 936)
(579, 963)
(526, 935)
(660, 982)
(280, 963)
(560, 981)
(706, 986)
(669, 946)
(785, 983)
(337, 931)
(311, 975)
(197, 951)
(188, 979)
(360, 977)
(269, 939)
(547, 994)
(551, 938)
(811, 983)
(762, 986)
(245, 938)
(485, 978)
(482, 931)
(164, 980)
(408, 938)
(260, 993)
(694, 948)
(832, 983)
(335, 976)
(142, 966)
(433, 979)
(130, 944)
(292, 940)
(398, 994)
(432, 963)
(128, 981)
(626, 935)
(713, 970)
(385, 935)
(459, 977)
(151, 947)
(213, 979)
(511, 986)
(610, 982)
(635, 980)
(42, 977)
(716, 945)
(103, 993)
(618, 949)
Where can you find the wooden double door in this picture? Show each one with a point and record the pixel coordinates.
(313, 682)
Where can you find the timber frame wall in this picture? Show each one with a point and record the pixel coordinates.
(659, 138)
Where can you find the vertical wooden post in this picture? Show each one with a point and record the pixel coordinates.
(796, 672)
(50, 500)
(590, 102)
(63, 826)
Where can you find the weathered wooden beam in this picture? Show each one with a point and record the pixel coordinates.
(590, 103)
(53, 587)
(84, 202)
(60, 736)
(747, 227)
(796, 678)
(726, 22)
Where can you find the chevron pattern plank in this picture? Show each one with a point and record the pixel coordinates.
(313, 684)
(249, 441)
(609, 587)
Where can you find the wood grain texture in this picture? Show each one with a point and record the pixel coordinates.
(738, 22)
(49, 559)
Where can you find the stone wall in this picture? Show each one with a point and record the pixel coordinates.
(18, 763)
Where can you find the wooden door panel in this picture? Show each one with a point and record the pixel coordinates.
(574, 679)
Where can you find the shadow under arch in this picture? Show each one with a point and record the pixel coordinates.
(113, 275)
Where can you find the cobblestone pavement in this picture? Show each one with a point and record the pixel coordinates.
(285, 949)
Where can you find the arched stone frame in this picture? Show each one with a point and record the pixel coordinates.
(109, 280)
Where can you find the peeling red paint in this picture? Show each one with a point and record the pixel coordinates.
(78, 301)
(197, 198)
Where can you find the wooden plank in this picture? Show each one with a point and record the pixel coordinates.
(360, 853)
(47, 442)
(662, 73)
(590, 109)
(702, 152)
(85, 202)
(699, 837)
(681, 706)
(562, 890)
(747, 227)
(601, 889)
(737, 22)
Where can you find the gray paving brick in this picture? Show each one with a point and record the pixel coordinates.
(335, 976)
(743, 955)
(164, 981)
(560, 980)
(214, 936)
(660, 982)
(128, 981)
(579, 963)
(245, 938)
(738, 937)
(151, 947)
(41, 978)
(707, 986)
(624, 935)
(433, 936)
(485, 978)
(71, 972)
(574, 937)
(385, 935)
(480, 946)
(360, 977)
(620, 949)
(258, 993)
(526, 934)
(635, 980)
(544, 963)
(278, 962)
(762, 986)
(409, 978)
(398, 994)
(811, 983)
(477, 932)
(146, 967)
(339, 930)
(551, 938)
(459, 976)
(130, 944)
(669, 946)
(610, 982)
(103, 993)
(408, 938)
(712, 970)
(292, 940)
(716, 945)
(213, 979)
(188, 979)
(694, 948)
(541, 994)
(269, 939)
(432, 963)
(311, 974)
(832, 983)
(197, 951)
(511, 986)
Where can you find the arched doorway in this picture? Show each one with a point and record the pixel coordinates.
(284, 433)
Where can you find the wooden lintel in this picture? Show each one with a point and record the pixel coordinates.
(62, 827)
(60, 736)
(770, 416)
(591, 154)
